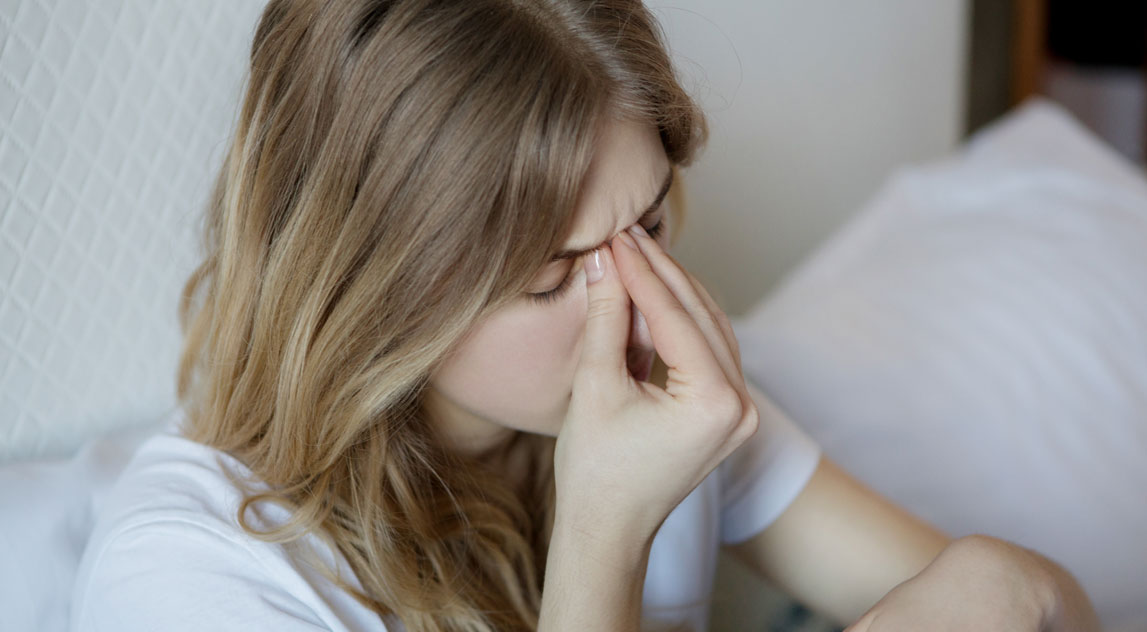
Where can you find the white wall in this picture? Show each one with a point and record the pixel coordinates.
(811, 104)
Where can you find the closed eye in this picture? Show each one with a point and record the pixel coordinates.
(549, 296)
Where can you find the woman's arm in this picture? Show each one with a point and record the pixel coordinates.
(595, 572)
(841, 547)
(984, 583)
(629, 452)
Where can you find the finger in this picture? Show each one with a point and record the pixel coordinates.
(714, 308)
(639, 330)
(606, 322)
(722, 317)
(727, 329)
(677, 337)
(707, 315)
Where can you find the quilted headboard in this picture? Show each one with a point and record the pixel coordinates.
(113, 117)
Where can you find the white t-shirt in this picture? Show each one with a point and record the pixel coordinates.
(167, 552)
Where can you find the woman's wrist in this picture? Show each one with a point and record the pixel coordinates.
(621, 538)
(593, 503)
(595, 574)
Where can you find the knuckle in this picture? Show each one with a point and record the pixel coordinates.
(727, 405)
(751, 420)
(709, 319)
(743, 433)
(676, 310)
(635, 274)
(600, 306)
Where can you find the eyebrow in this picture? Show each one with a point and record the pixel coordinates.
(649, 211)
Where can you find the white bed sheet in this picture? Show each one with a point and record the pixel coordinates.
(974, 346)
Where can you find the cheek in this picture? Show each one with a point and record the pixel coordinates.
(516, 368)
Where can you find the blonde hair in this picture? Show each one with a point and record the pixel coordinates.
(400, 168)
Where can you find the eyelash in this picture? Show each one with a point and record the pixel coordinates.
(554, 294)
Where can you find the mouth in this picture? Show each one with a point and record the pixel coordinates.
(640, 363)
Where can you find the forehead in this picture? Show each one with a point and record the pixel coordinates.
(627, 169)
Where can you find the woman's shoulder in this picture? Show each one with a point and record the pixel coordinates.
(170, 478)
(167, 550)
(162, 571)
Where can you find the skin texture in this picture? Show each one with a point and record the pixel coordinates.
(840, 547)
(515, 369)
(630, 451)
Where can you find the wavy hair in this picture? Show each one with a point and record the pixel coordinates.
(398, 169)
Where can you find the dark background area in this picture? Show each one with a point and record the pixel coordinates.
(1091, 57)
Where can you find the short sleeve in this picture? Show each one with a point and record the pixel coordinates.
(762, 477)
(174, 576)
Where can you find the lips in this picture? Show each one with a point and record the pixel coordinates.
(640, 363)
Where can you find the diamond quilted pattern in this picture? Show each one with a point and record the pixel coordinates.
(113, 118)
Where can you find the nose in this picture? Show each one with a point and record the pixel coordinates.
(639, 337)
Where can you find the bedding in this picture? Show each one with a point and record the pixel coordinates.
(47, 511)
(974, 346)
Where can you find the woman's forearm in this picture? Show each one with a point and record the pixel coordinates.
(594, 576)
(979, 582)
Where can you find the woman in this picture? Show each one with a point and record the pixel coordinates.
(417, 388)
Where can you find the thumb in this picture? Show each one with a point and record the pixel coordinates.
(606, 321)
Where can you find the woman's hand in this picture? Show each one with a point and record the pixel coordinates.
(629, 451)
(983, 583)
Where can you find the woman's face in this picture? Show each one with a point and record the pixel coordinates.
(515, 368)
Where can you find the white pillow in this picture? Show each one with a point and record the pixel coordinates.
(974, 346)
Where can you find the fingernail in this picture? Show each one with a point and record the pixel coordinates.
(594, 267)
(638, 231)
(627, 240)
